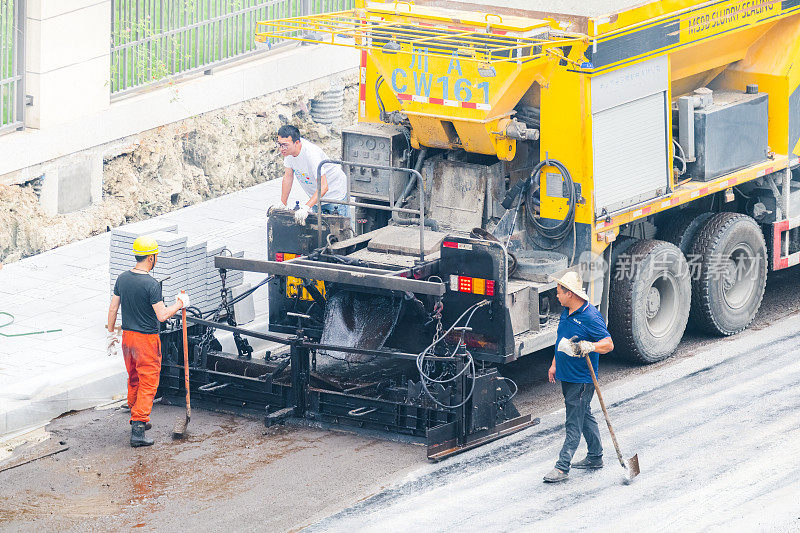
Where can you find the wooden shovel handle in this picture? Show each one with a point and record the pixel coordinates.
(605, 412)
(186, 360)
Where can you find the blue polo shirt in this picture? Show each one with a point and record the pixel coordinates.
(588, 325)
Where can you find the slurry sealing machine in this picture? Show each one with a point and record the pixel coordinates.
(654, 149)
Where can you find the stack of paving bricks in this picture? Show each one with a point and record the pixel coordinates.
(121, 252)
(196, 271)
(183, 264)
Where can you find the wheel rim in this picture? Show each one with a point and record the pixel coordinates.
(661, 304)
(738, 275)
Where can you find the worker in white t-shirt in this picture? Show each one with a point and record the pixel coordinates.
(301, 160)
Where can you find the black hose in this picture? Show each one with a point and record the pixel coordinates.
(469, 366)
(234, 301)
(560, 231)
(429, 222)
(381, 107)
(412, 179)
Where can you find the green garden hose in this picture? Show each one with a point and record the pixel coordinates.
(9, 315)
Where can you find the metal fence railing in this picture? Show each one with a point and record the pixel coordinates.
(12, 42)
(155, 40)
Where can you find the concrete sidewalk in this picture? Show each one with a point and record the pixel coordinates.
(45, 375)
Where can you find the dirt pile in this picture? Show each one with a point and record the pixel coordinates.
(174, 166)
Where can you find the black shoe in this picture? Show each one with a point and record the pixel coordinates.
(588, 464)
(137, 435)
(556, 476)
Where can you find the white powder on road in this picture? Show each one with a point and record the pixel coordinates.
(717, 439)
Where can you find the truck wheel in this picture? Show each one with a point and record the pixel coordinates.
(729, 283)
(619, 248)
(682, 229)
(650, 299)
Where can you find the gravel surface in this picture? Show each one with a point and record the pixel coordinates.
(232, 474)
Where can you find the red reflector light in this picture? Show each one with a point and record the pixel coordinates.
(489, 287)
(464, 284)
(279, 257)
(449, 244)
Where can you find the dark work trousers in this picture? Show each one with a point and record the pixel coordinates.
(577, 399)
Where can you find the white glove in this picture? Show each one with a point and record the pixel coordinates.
(183, 298)
(586, 347)
(301, 214)
(568, 347)
(112, 343)
(276, 205)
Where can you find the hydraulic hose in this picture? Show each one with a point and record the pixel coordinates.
(468, 367)
(560, 231)
(429, 222)
(411, 179)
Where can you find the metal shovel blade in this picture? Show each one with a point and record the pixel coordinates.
(179, 430)
(633, 466)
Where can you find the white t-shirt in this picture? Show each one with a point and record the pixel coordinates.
(305, 166)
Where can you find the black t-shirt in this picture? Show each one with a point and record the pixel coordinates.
(138, 293)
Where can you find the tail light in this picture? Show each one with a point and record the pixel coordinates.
(472, 285)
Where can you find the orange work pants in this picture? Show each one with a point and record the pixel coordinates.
(142, 354)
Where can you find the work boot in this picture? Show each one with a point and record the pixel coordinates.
(138, 437)
(589, 464)
(556, 476)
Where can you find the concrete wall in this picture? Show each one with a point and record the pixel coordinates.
(66, 60)
(73, 123)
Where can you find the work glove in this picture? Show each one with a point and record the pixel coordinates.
(183, 298)
(112, 343)
(586, 347)
(568, 347)
(301, 214)
(276, 205)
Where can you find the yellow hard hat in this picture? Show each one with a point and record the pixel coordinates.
(145, 245)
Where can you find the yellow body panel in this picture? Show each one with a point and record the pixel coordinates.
(566, 136)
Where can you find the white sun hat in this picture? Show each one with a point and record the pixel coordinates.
(572, 282)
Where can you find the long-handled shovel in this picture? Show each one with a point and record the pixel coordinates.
(179, 431)
(631, 465)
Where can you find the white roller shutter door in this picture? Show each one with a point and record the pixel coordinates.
(630, 153)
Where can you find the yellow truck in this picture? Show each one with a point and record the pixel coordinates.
(654, 148)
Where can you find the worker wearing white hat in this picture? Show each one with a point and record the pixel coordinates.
(581, 331)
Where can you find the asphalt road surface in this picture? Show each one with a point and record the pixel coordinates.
(718, 440)
(722, 447)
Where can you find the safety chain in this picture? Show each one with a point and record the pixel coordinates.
(438, 307)
(205, 341)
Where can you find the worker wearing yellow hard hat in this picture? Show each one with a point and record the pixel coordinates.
(139, 295)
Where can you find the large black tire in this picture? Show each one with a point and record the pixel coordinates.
(619, 248)
(650, 299)
(729, 283)
(682, 228)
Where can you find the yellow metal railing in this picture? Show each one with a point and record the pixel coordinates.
(406, 32)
